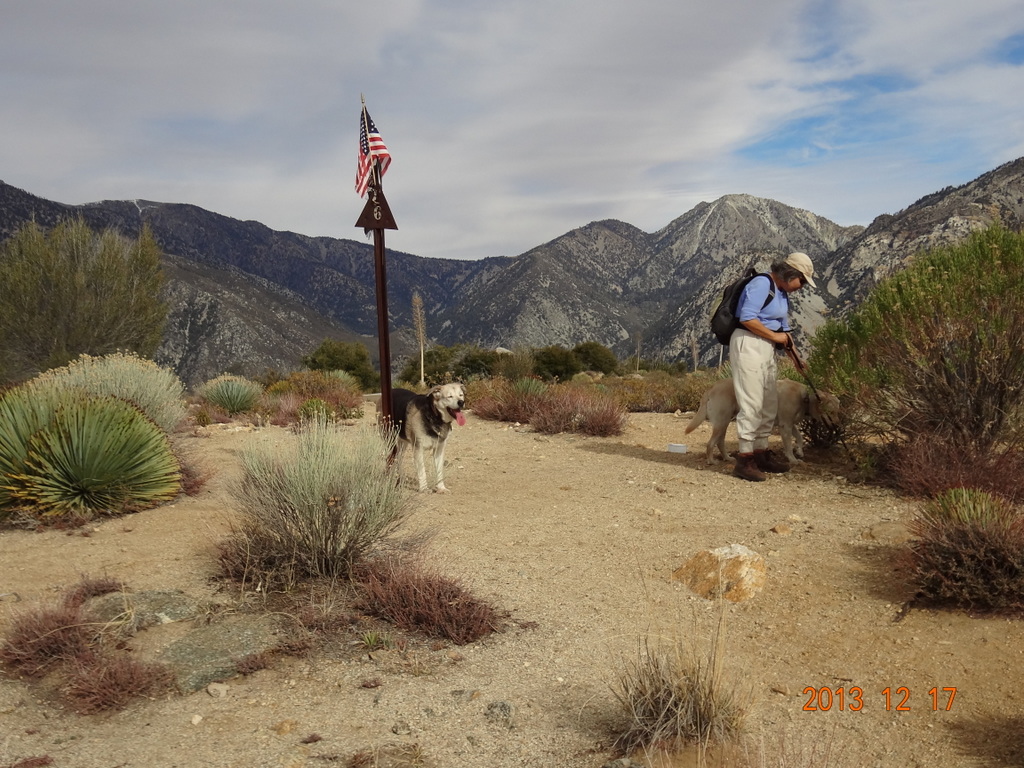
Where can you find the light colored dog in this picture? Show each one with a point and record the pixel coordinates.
(425, 421)
(796, 403)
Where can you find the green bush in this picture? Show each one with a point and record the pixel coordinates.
(95, 455)
(156, 390)
(556, 362)
(596, 357)
(914, 360)
(353, 357)
(71, 291)
(235, 394)
(314, 506)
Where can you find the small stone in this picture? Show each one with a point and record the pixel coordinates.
(217, 690)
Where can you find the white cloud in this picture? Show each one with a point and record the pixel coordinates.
(511, 123)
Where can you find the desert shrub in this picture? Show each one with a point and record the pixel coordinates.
(154, 389)
(40, 639)
(416, 599)
(92, 455)
(926, 466)
(674, 696)
(514, 365)
(339, 390)
(968, 552)
(98, 682)
(510, 401)
(580, 409)
(90, 587)
(316, 409)
(71, 291)
(660, 392)
(235, 394)
(914, 359)
(353, 357)
(556, 363)
(313, 506)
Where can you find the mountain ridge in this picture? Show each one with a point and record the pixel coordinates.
(606, 281)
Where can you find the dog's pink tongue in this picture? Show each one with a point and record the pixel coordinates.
(461, 418)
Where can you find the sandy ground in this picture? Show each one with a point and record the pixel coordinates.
(579, 536)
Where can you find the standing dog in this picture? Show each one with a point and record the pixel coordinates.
(718, 406)
(424, 421)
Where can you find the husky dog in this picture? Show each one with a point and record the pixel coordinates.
(424, 421)
(718, 406)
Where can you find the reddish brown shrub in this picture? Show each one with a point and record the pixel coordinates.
(89, 588)
(413, 598)
(578, 409)
(927, 466)
(100, 683)
(42, 638)
(968, 553)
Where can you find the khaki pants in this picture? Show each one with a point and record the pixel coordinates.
(754, 376)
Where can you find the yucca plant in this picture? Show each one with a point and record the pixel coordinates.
(969, 506)
(96, 455)
(23, 412)
(235, 394)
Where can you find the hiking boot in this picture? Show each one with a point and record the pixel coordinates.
(769, 461)
(746, 468)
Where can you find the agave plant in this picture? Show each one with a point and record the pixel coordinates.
(235, 394)
(22, 414)
(96, 455)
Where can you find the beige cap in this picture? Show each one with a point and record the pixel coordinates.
(802, 263)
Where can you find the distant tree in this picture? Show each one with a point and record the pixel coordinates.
(333, 355)
(556, 362)
(596, 357)
(71, 291)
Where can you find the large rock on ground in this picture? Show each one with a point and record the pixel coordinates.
(734, 572)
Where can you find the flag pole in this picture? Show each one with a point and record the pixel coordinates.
(376, 216)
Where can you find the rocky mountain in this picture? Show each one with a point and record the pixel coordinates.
(245, 297)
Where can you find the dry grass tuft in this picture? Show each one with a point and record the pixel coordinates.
(675, 697)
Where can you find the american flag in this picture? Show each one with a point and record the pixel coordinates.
(371, 147)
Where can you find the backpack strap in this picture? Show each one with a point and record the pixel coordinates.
(771, 288)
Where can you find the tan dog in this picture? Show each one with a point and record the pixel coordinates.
(425, 421)
(796, 403)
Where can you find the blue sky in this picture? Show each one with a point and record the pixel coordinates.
(512, 123)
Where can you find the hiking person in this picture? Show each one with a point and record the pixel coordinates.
(763, 313)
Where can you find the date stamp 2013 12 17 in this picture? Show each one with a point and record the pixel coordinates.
(892, 699)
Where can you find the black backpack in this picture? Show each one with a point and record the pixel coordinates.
(724, 320)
